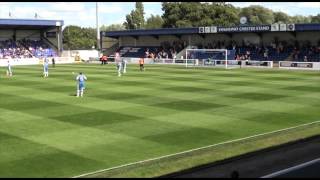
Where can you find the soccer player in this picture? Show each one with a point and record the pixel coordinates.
(9, 69)
(53, 62)
(141, 62)
(124, 65)
(119, 63)
(81, 78)
(46, 67)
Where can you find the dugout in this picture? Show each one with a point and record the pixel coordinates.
(260, 34)
(50, 31)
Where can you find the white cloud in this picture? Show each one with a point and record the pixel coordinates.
(309, 5)
(110, 8)
(67, 6)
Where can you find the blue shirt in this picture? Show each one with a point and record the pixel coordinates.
(81, 78)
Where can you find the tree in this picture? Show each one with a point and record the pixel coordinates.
(280, 17)
(154, 22)
(112, 27)
(135, 20)
(258, 15)
(315, 19)
(194, 14)
(76, 37)
(301, 19)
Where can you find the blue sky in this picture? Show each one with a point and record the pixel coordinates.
(83, 13)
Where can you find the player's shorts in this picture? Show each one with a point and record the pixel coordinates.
(119, 66)
(141, 65)
(46, 69)
(81, 86)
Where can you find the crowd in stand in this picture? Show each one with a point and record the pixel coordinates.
(24, 49)
(12, 49)
(275, 51)
(167, 50)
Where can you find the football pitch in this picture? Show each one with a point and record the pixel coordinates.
(45, 131)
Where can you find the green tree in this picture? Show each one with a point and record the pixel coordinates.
(135, 20)
(315, 19)
(154, 22)
(280, 17)
(194, 14)
(76, 38)
(300, 19)
(112, 27)
(258, 15)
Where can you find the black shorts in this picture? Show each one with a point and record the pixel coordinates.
(141, 65)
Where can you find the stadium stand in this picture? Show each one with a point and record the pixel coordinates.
(13, 49)
(250, 42)
(29, 38)
(25, 49)
(166, 50)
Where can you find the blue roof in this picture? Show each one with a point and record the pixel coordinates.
(195, 30)
(150, 32)
(307, 27)
(30, 22)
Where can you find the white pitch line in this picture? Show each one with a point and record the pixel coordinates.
(285, 171)
(183, 152)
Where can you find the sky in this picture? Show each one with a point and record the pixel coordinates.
(84, 13)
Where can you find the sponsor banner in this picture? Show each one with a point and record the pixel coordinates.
(275, 27)
(34, 61)
(297, 64)
(257, 63)
(245, 28)
(258, 28)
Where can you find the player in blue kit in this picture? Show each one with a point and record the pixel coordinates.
(46, 67)
(81, 78)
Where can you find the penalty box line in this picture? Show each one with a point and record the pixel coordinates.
(196, 149)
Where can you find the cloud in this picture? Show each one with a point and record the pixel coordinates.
(83, 13)
(111, 8)
(67, 6)
(291, 8)
(315, 5)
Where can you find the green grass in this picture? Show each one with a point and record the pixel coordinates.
(45, 131)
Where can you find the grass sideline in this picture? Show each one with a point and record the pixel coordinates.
(196, 158)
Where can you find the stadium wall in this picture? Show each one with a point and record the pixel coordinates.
(313, 37)
(147, 41)
(29, 34)
(246, 37)
(127, 41)
(35, 61)
(6, 34)
(269, 37)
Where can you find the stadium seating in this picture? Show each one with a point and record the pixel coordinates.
(312, 54)
(12, 49)
(25, 49)
(256, 53)
(273, 54)
(165, 50)
(38, 48)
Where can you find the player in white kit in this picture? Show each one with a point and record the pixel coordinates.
(119, 63)
(46, 67)
(124, 66)
(9, 69)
